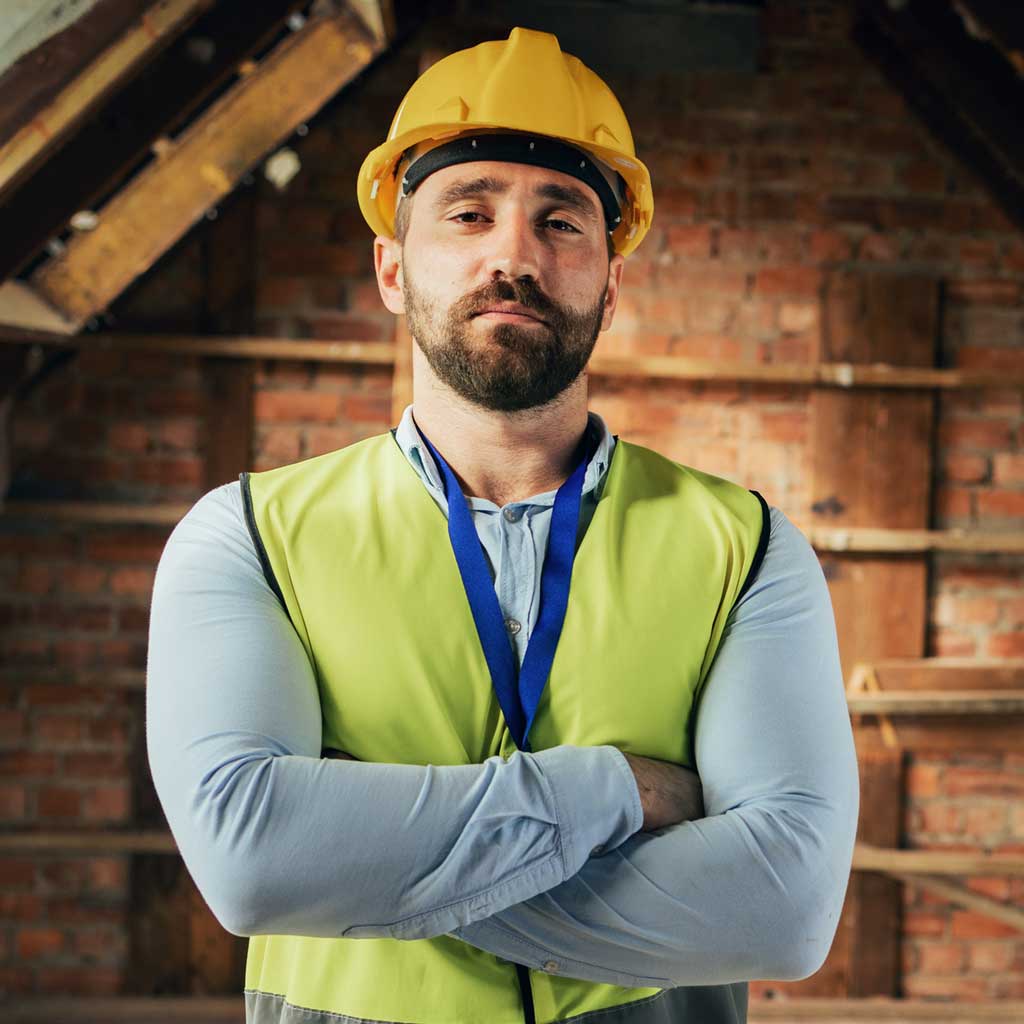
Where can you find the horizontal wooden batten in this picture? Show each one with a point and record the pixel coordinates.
(231, 1010)
(843, 375)
(964, 702)
(937, 862)
(854, 540)
(89, 841)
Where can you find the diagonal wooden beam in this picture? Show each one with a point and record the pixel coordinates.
(153, 30)
(198, 169)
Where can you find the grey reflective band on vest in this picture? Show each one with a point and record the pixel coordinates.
(537, 151)
(698, 1004)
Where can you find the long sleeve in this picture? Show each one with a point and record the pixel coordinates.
(755, 888)
(282, 841)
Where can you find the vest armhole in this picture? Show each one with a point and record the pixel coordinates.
(762, 545)
(257, 540)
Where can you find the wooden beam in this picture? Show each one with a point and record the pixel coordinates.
(231, 1010)
(879, 540)
(22, 307)
(894, 1011)
(977, 702)
(153, 30)
(99, 513)
(98, 841)
(205, 163)
(839, 375)
(869, 857)
(120, 136)
(931, 674)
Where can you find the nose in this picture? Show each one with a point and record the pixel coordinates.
(514, 247)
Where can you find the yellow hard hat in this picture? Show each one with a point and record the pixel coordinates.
(524, 84)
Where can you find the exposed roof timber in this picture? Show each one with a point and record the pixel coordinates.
(21, 306)
(30, 23)
(379, 17)
(967, 99)
(151, 31)
(1000, 22)
(120, 136)
(205, 163)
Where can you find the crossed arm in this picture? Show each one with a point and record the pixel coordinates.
(281, 840)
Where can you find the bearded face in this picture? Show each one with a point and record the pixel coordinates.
(504, 363)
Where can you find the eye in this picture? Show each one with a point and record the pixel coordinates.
(563, 226)
(458, 218)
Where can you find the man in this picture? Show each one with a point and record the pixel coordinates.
(507, 825)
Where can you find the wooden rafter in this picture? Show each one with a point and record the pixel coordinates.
(153, 29)
(205, 163)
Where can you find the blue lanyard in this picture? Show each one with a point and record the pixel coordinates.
(519, 697)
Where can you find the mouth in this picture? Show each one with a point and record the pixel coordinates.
(509, 314)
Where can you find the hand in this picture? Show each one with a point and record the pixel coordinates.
(338, 755)
(669, 793)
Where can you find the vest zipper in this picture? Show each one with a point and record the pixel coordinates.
(523, 973)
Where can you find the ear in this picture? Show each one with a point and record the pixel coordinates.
(387, 261)
(611, 297)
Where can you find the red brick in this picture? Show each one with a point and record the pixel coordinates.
(168, 471)
(92, 980)
(58, 802)
(297, 406)
(84, 579)
(28, 764)
(1000, 504)
(941, 957)
(965, 469)
(941, 818)
(15, 871)
(57, 728)
(968, 924)
(989, 357)
(1008, 468)
(981, 433)
(802, 281)
(1006, 645)
(979, 782)
(954, 503)
(179, 435)
(958, 987)
(281, 292)
(879, 248)
(35, 943)
(34, 578)
(133, 579)
(984, 292)
(128, 437)
(985, 822)
(124, 544)
(830, 247)
(91, 765)
(689, 241)
(12, 726)
(991, 957)
(13, 802)
(107, 803)
(924, 924)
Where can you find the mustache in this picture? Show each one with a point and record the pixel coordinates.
(523, 291)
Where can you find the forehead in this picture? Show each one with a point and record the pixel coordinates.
(495, 177)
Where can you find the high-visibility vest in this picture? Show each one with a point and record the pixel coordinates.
(359, 553)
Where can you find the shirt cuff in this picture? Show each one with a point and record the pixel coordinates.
(596, 798)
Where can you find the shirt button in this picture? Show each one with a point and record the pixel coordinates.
(597, 850)
(512, 514)
(550, 965)
(513, 626)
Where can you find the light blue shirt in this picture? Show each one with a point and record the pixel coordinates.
(537, 859)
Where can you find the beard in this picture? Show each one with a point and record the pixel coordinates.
(506, 367)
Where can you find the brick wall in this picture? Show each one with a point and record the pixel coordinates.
(763, 184)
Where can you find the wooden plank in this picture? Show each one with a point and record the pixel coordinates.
(231, 1010)
(90, 164)
(205, 163)
(152, 30)
(950, 702)
(843, 375)
(865, 448)
(867, 856)
(896, 1011)
(108, 841)
(23, 308)
(941, 735)
(949, 673)
(103, 513)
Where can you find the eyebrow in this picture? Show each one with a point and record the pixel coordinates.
(566, 194)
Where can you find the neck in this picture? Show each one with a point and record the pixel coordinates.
(501, 456)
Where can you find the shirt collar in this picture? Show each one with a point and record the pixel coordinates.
(411, 443)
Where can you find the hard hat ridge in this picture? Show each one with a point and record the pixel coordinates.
(523, 85)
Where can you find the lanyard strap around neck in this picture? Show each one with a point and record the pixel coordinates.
(518, 691)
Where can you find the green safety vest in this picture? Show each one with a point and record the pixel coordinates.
(358, 552)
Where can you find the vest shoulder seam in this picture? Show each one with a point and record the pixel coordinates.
(762, 545)
(257, 540)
